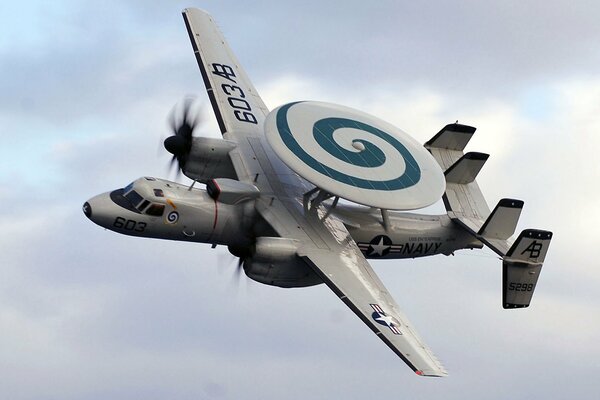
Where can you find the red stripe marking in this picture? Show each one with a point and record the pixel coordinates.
(218, 189)
(216, 215)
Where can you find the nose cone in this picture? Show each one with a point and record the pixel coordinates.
(87, 210)
(100, 209)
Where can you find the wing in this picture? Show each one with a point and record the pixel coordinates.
(326, 244)
(353, 280)
(234, 99)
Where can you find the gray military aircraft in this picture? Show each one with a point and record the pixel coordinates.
(272, 186)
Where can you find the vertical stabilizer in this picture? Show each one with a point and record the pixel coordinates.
(522, 266)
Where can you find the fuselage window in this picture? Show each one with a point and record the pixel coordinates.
(156, 210)
(159, 193)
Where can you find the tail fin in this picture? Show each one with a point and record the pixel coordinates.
(452, 137)
(466, 206)
(463, 198)
(465, 170)
(522, 266)
(502, 222)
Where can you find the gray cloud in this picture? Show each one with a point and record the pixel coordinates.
(88, 314)
(466, 48)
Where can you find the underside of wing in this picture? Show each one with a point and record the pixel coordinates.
(234, 99)
(353, 280)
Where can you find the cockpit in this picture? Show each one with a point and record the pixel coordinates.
(140, 198)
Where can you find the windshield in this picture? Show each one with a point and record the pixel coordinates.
(139, 204)
(134, 198)
(128, 188)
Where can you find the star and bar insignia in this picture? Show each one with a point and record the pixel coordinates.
(382, 318)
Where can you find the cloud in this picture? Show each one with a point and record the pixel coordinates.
(84, 96)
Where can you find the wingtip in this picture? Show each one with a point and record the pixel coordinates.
(434, 374)
(188, 10)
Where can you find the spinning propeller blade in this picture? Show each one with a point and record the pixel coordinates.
(182, 121)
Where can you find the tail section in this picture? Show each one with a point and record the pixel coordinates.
(522, 266)
(466, 206)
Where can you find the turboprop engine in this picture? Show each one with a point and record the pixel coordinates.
(199, 158)
(203, 158)
(273, 261)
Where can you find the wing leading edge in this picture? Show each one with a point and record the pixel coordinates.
(353, 280)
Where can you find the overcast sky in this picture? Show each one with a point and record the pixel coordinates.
(85, 89)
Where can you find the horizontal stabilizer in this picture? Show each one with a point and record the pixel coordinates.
(522, 266)
(452, 137)
(502, 222)
(465, 170)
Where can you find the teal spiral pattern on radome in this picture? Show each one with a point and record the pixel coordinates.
(371, 157)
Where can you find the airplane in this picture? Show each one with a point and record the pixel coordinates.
(272, 187)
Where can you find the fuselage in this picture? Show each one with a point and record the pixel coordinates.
(156, 208)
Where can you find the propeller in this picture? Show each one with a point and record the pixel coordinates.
(238, 270)
(182, 125)
(241, 253)
(225, 261)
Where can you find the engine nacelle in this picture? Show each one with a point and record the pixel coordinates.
(274, 262)
(231, 191)
(209, 158)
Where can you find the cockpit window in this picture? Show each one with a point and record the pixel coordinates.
(143, 205)
(135, 202)
(156, 210)
(134, 198)
(128, 188)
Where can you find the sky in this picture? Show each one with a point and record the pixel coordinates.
(85, 91)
